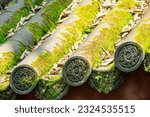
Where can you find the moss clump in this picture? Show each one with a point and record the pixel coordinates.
(50, 14)
(74, 31)
(15, 18)
(105, 81)
(50, 88)
(37, 30)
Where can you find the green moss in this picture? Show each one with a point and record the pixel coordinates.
(142, 35)
(37, 30)
(147, 62)
(42, 63)
(50, 14)
(32, 2)
(28, 81)
(9, 59)
(143, 39)
(126, 4)
(12, 3)
(6, 94)
(88, 30)
(73, 33)
(5, 90)
(4, 85)
(104, 81)
(147, 67)
(50, 88)
(24, 11)
(6, 61)
(109, 33)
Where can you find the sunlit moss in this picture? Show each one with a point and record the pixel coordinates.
(126, 4)
(4, 85)
(109, 32)
(9, 59)
(43, 62)
(108, 35)
(6, 61)
(15, 18)
(74, 31)
(142, 36)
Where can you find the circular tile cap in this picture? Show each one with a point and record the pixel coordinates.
(129, 56)
(23, 79)
(76, 71)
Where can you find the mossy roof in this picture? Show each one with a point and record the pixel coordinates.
(57, 83)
